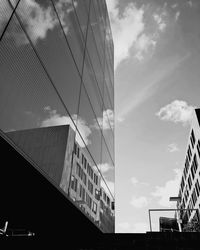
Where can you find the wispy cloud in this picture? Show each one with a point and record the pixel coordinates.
(160, 20)
(174, 6)
(136, 182)
(170, 188)
(151, 84)
(190, 3)
(172, 148)
(177, 112)
(177, 15)
(55, 119)
(139, 202)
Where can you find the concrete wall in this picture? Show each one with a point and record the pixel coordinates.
(46, 147)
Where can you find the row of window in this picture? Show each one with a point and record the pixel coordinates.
(83, 195)
(81, 173)
(194, 167)
(195, 195)
(105, 197)
(86, 165)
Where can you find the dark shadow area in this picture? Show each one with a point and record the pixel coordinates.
(30, 202)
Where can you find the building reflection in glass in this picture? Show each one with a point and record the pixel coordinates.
(57, 96)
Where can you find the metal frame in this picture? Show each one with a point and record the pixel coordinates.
(169, 209)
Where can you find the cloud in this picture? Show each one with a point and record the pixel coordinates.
(107, 122)
(189, 3)
(159, 19)
(139, 202)
(169, 189)
(177, 15)
(143, 44)
(177, 112)
(126, 28)
(37, 20)
(174, 6)
(104, 167)
(172, 148)
(130, 29)
(111, 186)
(55, 119)
(135, 182)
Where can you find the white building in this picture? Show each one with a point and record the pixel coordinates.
(189, 190)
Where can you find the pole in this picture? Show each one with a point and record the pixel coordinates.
(150, 221)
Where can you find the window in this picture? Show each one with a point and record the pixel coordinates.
(186, 164)
(78, 169)
(186, 194)
(94, 207)
(182, 184)
(194, 197)
(78, 152)
(198, 147)
(83, 194)
(189, 182)
(85, 163)
(95, 179)
(197, 188)
(84, 178)
(104, 196)
(189, 153)
(97, 194)
(184, 173)
(101, 204)
(88, 200)
(88, 168)
(75, 148)
(82, 159)
(80, 190)
(91, 174)
(192, 138)
(183, 204)
(108, 201)
(90, 187)
(74, 183)
(194, 166)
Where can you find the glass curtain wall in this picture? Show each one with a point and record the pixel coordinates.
(57, 68)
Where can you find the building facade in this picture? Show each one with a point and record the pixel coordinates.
(189, 190)
(57, 154)
(57, 68)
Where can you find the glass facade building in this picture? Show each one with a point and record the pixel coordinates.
(57, 68)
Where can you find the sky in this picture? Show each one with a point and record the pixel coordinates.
(157, 58)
